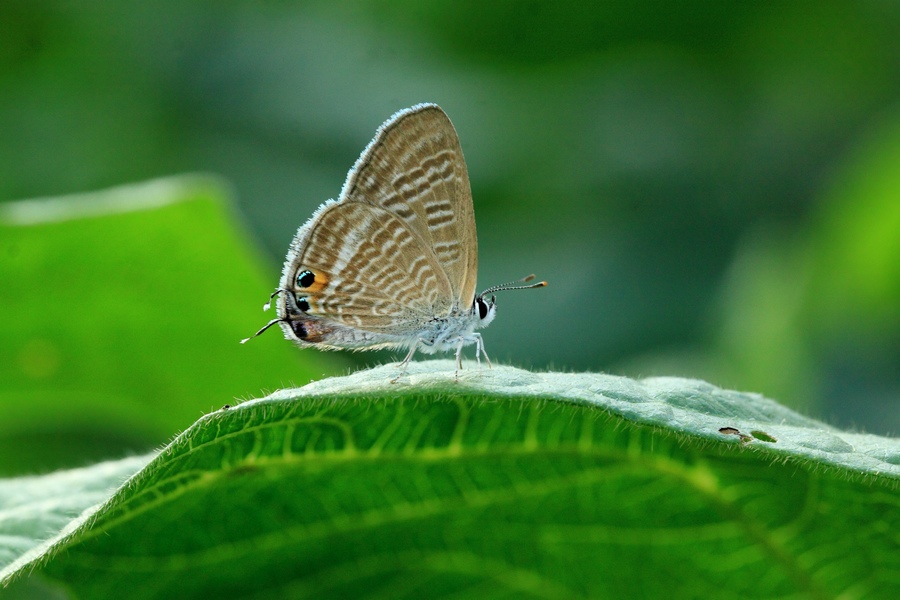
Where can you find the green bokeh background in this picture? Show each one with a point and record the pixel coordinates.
(712, 189)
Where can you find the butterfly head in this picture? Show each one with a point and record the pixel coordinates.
(486, 310)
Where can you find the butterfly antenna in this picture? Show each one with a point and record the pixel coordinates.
(512, 285)
(266, 326)
(268, 304)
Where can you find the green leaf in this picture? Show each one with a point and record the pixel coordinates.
(33, 510)
(506, 483)
(122, 316)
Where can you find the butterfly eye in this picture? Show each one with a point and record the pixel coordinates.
(305, 279)
(482, 308)
(303, 304)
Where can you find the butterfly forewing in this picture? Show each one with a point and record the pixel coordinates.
(414, 169)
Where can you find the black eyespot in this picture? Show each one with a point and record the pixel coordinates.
(299, 329)
(305, 279)
(482, 308)
(303, 304)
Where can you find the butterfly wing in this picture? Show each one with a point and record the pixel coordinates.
(397, 250)
(415, 170)
(368, 270)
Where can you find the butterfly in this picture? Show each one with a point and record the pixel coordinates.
(393, 262)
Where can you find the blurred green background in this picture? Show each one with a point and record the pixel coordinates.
(712, 189)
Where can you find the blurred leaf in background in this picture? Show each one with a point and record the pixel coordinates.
(122, 312)
(707, 186)
(853, 298)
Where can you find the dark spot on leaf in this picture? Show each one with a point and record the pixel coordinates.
(243, 469)
(735, 431)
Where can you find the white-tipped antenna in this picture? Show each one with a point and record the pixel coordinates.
(512, 286)
(266, 326)
(268, 304)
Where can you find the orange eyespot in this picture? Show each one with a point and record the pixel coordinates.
(310, 280)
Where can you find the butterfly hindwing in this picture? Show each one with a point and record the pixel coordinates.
(368, 271)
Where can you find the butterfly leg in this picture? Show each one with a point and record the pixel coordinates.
(479, 348)
(459, 348)
(405, 362)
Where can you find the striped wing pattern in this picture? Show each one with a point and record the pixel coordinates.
(399, 246)
(377, 274)
(415, 169)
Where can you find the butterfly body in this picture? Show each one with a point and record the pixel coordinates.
(392, 263)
